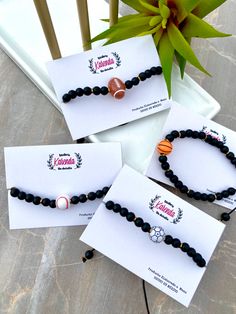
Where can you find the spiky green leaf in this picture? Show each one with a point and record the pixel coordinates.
(136, 5)
(166, 54)
(155, 20)
(196, 27)
(184, 7)
(182, 46)
(150, 7)
(157, 36)
(206, 6)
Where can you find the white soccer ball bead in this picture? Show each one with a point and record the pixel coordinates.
(63, 202)
(157, 234)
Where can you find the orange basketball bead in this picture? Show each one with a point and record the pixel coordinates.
(164, 147)
(116, 88)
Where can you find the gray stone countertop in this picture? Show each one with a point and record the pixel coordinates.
(41, 269)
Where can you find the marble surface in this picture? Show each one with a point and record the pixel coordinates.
(41, 269)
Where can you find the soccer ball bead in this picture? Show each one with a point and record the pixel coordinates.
(157, 234)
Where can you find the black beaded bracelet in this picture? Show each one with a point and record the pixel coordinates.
(165, 147)
(62, 201)
(115, 87)
(157, 233)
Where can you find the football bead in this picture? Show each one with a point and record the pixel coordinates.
(157, 234)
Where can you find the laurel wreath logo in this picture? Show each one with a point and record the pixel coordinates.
(224, 138)
(179, 216)
(91, 67)
(79, 160)
(117, 57)
(49, 162)
(153, 201)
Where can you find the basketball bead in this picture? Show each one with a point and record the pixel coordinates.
(116, 88)
(164, 147)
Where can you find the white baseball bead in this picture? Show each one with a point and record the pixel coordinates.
(63, 202)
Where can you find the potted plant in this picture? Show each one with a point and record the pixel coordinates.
(172, 23)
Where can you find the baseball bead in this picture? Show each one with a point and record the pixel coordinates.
(116, 88)
(63, 202)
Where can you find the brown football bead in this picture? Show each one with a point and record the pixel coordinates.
(116, 88)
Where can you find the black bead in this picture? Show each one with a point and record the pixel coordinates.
(176, 243)
(184, 247)
(197, 258)
(82, 198)
(158, 70)
(189, 133)
(135, 81)
(230, 155)
(142, 76)
(191, 252)
(195, 134)
(99, 194)
(74, 200)
(162, 159)
(197, 196)
(174, 179)
(116, 208)
(45, 201)
(201, 135)
(52, 204)
(165, 166)
(184, 189)
(225, 216)
(219, 196)
(37, 200)
(91, 196)
(72, 94)
(87, 91)
(190, 193)
(29, 198)
(96, 90)
(124, 212)
(211, 197)
(182, 134)
(146, 227)
(203, 196)
(224, 149)
(220, 144)
(130, 216)
(138, 222)
(209, 139)
(169, 173)
(148, 73)
(201, 263)
(170, 137)
(225, 193)
(104, 90)
(14, 192)
(128, 84)
(168, 239)
(109, 205)
(233, 161)
(175, 134)
(214, 142)
(66, 98)
(231, 191)
(88, 254)
(79, 92)
(179, 184)
(21, 195)
(105, 190)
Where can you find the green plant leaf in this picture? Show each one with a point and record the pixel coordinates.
(151, 31)
(182, 46)
(155, 20)
(206, 6)
(166, 54)
(131, 22)
(157, 36)
(164, 10)
(136, 5)
(196, 27)
(105, 20)
(131, 17)
(184, 7)
(150, 7)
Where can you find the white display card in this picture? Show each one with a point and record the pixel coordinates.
(163, 266)
(49, 171)
(199, 165)
(87, 115)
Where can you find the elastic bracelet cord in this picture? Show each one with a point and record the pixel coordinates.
(156, 233)
(165, 147)
(116, 87)
(63, 201)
